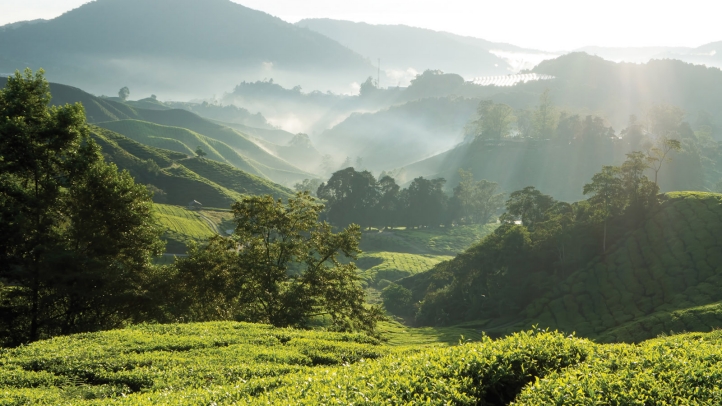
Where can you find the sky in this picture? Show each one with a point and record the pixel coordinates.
(550, 25)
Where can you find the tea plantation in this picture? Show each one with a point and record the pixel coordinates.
(238, 363)
(181, 226)
(666, 276)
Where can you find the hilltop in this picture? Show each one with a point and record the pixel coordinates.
(168, 45)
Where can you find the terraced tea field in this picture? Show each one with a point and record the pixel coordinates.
(392, 266)
(182, 226)
(663, 277)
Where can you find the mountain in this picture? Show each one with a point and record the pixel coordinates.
(405, 50)
(176, 46)
(401, 134)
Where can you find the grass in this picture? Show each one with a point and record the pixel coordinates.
(180, 140)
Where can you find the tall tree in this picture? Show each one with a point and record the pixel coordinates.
(495, 120)
(475, 201)
(545, 117)
(528, 205)
(350, 196)
(77, 236)
(426, 202)
(123, 93)
(607, 196)
(660, 153)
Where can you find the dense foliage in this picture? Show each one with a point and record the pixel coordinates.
(354, 197)
(281, 266)
(77, 235)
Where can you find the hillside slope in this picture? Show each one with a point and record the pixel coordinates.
(175, 174)
(665, 276)
(401, 134)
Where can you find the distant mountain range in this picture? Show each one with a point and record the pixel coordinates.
(406, 50)
(708, 54)
(173, 46)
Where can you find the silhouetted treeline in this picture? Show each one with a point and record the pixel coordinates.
(354, 197)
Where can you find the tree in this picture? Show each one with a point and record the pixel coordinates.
(545, 117)
(350, 196)
(200, 153)
(426, 202)
(639, 191)
(607, 195)
(397, 299)
(494, 120)
(286, 266)
(76, 236)
(123, 93)
(475, 202)
(387, 208)
(529, 205)
(308, 185)
(368, 87)
(659, 154)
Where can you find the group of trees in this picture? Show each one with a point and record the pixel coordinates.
(78, 239)
(354, 197)
(76, 236)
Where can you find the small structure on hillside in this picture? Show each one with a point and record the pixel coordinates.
(194, 205)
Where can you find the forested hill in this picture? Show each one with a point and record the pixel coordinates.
(169, 42)
(621, 89)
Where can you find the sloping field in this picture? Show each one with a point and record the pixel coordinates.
(434, 241)
(665, 276)
(223, 363)
(392, 266)
(181, 227)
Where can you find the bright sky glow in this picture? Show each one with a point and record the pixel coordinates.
(552, 25)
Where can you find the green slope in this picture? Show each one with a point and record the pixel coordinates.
(663, 276)
(181, 227)
(227, 135)
(180, 140)
(221, 142)
(169, 171)
(234, 179)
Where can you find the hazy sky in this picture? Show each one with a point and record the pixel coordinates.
(550, 25)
